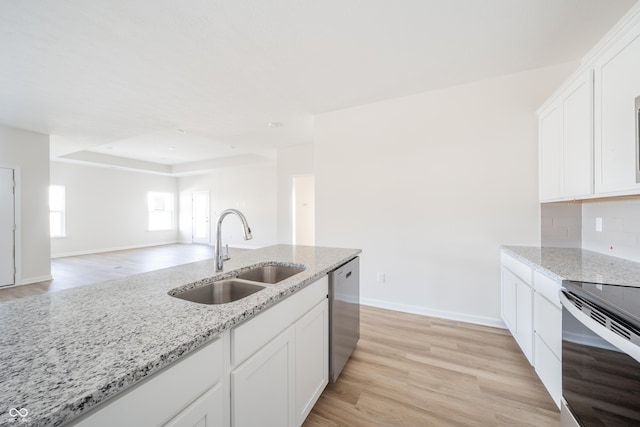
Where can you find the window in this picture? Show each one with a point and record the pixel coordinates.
(56, 211)
(160, 211)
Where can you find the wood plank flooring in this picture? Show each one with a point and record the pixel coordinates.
(407, 370)
(69, 272)
(411, 370)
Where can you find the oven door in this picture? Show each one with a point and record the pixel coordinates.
(600, 380)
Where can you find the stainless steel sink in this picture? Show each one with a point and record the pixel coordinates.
(220, 292)
(270, 273)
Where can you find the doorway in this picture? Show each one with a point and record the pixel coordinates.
(7, 227)
(304, 210)
(200, 217)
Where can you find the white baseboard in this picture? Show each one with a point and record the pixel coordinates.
(31, 280)
(450, 315)
(121, 248)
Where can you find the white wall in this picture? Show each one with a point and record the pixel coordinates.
(251, 189)
(293, 161)
(430, 185)
(28, 153)
(106, 209)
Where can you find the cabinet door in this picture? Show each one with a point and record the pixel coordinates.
(550, 146)
(206, 411)
(524, 318)
(312, 358)
(577, 138)
(549, 369)
(262, 388)
(548, 324)
(509, 281)
(616, 87)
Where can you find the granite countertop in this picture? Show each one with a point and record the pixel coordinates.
(578, 264)
(64, 352)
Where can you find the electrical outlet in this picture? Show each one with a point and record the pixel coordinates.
(381, 278)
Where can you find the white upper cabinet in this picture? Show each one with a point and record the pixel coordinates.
(577, 137)
(617, 84)
(565, 126)
(587, 131)
(550, 145)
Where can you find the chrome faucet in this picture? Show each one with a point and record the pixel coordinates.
(218, 255)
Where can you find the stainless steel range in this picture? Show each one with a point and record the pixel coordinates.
(600, 355)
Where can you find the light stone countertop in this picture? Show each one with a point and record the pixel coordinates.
(578, 264)
(64, 352)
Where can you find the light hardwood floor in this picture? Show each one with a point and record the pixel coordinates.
(70, 272)
(407, 370)
(411, 370)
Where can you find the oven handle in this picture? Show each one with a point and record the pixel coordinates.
(611, 337)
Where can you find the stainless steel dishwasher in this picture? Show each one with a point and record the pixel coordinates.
(344, 315)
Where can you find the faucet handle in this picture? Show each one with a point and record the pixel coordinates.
(225, 253)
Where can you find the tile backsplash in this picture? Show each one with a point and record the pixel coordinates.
(561, 224)
(620, 235)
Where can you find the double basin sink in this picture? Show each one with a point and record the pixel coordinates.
(240, 286)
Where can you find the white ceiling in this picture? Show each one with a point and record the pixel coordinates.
(118, 78)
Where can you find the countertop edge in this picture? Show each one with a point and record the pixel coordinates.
(81, 407)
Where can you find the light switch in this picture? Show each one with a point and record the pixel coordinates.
(599, 225)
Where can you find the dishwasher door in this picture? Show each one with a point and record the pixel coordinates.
(344, 315)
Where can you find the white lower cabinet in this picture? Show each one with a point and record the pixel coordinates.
(267, 371)
(312, 359)
(531, 310)
(280, 361)
(187, 393)
(262, 388)
(549, 369)
(517, 303)
(548, 339)
(206, 411)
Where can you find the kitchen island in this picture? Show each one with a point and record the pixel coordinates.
(64, 353)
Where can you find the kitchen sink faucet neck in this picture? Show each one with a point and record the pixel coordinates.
(218, 255)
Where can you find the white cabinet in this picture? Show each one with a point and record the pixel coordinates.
(206, 411)
(312, 359)
(531, 310)
(550, 155)
(517, 303)
(267, 371)
(616, 87)
(548, 345)
(280, 360)
(187, 393)
(565, 141)
(548, 334)
(262, 388)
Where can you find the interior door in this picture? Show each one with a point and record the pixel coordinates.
(304, 210)
(7, 221)
(200, 217)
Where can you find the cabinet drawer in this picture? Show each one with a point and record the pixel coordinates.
(520, 269)
(549, 369)
(163, 395)
(250, 336)
(548, 287)
(548, 324)
(206, 411)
